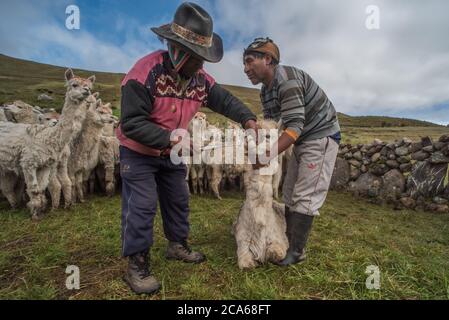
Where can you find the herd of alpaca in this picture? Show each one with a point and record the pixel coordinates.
(213, 174)
(42, 152)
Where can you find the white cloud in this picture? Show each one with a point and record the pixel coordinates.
(403, 67)
(37, 31)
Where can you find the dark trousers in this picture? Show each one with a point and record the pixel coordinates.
(146, 179)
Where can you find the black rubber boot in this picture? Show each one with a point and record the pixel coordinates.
(181, 251)
(138, 275)
(298, 230)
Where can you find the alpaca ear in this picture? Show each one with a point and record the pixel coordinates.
(99, 102)
(107, 105)
(96, 95)
(92, 78)
(69, 74)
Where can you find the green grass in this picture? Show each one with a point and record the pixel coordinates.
(409, 247)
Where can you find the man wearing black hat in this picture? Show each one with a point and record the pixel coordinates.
(160, 94)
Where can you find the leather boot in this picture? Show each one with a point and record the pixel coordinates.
(138, 275)
(298, 230)
(181, 251)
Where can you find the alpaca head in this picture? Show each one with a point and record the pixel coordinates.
(50, 119)
(200, 116)
(100, 113)
(78, 89)
(200, 119)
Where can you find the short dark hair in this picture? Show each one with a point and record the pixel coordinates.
(259, 55)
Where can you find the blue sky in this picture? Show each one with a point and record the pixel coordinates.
(400, 69)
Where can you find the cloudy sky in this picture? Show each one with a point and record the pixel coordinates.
(400, 69)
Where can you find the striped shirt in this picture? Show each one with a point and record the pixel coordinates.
(303, 107)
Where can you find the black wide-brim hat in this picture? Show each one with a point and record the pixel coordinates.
(192, 29)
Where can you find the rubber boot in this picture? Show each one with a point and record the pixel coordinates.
(298, 230)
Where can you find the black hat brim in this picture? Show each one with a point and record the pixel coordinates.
(212, 54)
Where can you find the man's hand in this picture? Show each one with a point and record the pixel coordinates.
(251, 124)
(284, 141)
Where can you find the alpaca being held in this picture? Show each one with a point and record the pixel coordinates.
(260, 227)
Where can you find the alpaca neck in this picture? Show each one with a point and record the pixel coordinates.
(70, 123)
(198, 131)
(91, 129)
(261, 187)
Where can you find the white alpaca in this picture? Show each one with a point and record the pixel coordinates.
(214, 154)
(35, 150)
(60, 180)
(197, 128)
(108, 154)
(235, 169)
(84, 152)
(21, 112)
(260, 227)
(108, 162)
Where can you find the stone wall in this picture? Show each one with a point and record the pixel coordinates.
(405, 173)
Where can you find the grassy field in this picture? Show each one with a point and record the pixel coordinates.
(25, 80)
(410, 249)
(355, 135)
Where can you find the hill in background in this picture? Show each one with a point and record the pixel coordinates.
(26, 80)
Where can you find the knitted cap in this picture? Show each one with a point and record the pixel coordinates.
(266, 46)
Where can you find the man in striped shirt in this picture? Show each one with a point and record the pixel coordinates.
(310, 124)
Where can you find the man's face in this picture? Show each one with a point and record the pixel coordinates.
(192, 66)
(255, 68)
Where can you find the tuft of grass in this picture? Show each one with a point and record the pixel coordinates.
(410, 249)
